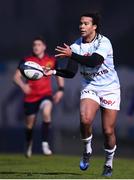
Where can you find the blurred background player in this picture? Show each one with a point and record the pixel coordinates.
(100, 86)
(38, 95)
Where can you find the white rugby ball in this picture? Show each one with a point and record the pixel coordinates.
(31, 70)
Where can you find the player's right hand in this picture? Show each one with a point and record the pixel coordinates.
(26, 89)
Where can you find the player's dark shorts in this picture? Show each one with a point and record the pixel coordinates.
(33, 107)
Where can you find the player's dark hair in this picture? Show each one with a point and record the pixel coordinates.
(96, 19)
(39, 38)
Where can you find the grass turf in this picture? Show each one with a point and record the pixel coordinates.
(59, 167)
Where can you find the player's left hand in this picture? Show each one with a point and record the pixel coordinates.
(47, 71)
(58, 96)
(63, 51)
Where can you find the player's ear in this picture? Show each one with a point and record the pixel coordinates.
(45, 47)
(94, 26)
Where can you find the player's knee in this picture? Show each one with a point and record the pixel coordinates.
(108, 131)
(46, 114)
(85, 118)
(29, 126)
(47, 118)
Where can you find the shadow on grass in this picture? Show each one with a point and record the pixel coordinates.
(40, 173)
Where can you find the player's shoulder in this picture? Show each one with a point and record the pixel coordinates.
(77, 42)
(29, 58)
(76, 45)
(103, 38)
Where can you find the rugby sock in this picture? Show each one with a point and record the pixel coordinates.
(109, 154)
(29, 135)
(46, 130)
(87, 144)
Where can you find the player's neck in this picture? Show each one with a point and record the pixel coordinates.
(40, 56)
(89, 38)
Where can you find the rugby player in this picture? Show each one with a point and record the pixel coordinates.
(38, 96)
(100, 86)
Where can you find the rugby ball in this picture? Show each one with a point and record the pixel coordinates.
(31, 70)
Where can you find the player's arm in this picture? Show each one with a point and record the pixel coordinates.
(91, 61)
(60, 83)
(67, 72)
(60, 92)
(63, 73)
(18, 79)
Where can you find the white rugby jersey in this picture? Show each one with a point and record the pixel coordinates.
(103, 76)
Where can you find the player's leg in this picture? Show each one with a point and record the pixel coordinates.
(110, 103)
(46, 107)
(29, 124)
(108, 125)
(31, 110)
(88, 109)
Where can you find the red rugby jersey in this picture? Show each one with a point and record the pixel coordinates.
(43, 86)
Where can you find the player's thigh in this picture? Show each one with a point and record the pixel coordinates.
(109, 117)
(110, 103)
(88, 109)
(46, 107)
(110, 99)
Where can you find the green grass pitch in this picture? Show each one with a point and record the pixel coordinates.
(59, 167)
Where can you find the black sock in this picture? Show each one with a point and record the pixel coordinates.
(46, 130)
(29, 135)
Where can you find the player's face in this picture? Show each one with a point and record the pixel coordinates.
(86, 26)
(38, 47)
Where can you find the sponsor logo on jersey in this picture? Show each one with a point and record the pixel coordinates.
(108, 102)
(49, 64)
(95, 74)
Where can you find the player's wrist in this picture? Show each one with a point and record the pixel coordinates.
(73, 55)
(61, 88)
(70, 55)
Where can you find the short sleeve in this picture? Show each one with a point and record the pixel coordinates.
(104, 48)
(73, 48)
(21, 62)
(76, 46)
